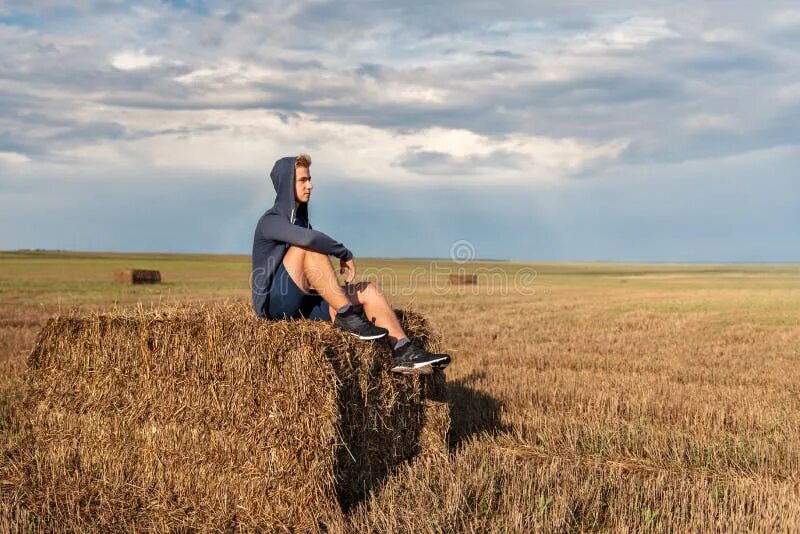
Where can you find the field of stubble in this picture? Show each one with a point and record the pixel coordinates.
(584, 396)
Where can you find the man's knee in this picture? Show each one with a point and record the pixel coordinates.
(294, 263)
(368, 290)
(297, 255)
(311, 255)
(294, 254)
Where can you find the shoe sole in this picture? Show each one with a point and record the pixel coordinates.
(424, 368)
(367, 338)
(420, 369)
(441, 363)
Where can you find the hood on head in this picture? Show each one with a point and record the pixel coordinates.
(283, 176)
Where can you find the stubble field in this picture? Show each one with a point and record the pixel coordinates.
(584, 396)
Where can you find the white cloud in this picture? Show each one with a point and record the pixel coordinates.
(789, 93)
(249, 141)
(638, 31)
(789, 18)
(555, 98)
(723, 35)
(134, 60)
(632, 33)
(546, 158)
(13, 158)
(247, 80)
(710, 121)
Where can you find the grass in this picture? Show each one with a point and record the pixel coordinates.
(585, 396)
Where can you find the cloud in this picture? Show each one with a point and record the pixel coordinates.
(460, 153)
(597, 79)
(786, 19)
(630, 34)
(13, 158)
(527, 94)
(709, 121)
(134, 60)
(246, 141)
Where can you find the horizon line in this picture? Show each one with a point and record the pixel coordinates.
(496, 260)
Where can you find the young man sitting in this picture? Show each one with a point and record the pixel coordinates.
(293, 277)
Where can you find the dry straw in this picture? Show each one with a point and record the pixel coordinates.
(212, 419)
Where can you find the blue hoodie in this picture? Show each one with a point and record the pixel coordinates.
(277, 230)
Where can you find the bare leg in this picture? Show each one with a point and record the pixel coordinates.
(375, 306)
(309, 268)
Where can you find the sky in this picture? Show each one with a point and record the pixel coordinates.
(642, 130)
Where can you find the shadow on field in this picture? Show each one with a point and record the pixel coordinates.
(471, 411)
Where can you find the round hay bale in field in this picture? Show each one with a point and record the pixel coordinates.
(213, 419)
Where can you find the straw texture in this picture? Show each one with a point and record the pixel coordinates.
(212, 418)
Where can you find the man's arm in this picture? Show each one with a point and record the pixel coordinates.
(277, 228)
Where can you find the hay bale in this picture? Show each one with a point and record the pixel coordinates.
(463, 279)
(137, 276)
(213, 419)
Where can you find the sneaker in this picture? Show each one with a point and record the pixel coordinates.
(354, 322)
(411, 358)
(441, 364)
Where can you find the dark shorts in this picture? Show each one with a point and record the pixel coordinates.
(287, 301)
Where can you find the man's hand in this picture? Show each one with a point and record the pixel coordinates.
(348, 266)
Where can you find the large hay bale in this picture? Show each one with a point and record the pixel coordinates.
(463, 279)
(137, 276)
(213, 419)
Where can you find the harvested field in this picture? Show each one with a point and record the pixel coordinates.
(213, 419)
(604, 397)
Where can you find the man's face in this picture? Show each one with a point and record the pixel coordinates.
(302, 184)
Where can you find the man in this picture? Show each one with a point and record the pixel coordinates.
(293, 277)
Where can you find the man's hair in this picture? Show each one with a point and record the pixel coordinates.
(303, 160)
